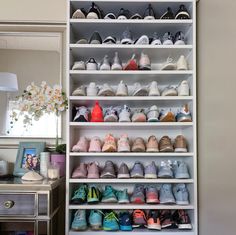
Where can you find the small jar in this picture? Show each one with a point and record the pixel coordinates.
(44, 162)
(53, 172)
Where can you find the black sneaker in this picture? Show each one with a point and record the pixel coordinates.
(94, 12)
(182, 219)
(182, 13)
(179, 38)
(168, 15)
(149, 13)
(95, 38)
(109, 40)
(79, 14)
(136, 16)
(167, 220)
(110, 16)
(123, 14)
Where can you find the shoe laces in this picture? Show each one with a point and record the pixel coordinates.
(165, 140)
(169, 59)
(111, 216)
(79, 215)
(139, 214)
(81, 192)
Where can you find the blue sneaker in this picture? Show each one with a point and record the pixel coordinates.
(165, 170)
(137, 170)
(80, 195)
(125, 221)
(110, 222)
(95, 219)
(109, 194)
(151, 171)
(166, 195)
(138, 196)
(180, 170)
(122, 196)
(181, 194)
(79, 222)
(184, 115)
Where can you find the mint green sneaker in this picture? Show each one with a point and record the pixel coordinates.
(95, 219)
(79, 222)
(122, 196)
(109, 195)
(110, 222)
(93, 195)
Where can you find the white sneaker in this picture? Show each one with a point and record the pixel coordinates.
(183, 88)
(79, 91)
(124, 114)
(144, 62)
(138, 90)
(152, 114)
(143, 40)
(122, 89)
(116, 65)
(91, 64)
(169, 64)
(153, 89)
(92, 89)
(78, 65)
(105, 65)
(169, 91)
(182, 63)
(106, 90)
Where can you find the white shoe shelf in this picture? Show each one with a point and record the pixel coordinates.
(84, 28)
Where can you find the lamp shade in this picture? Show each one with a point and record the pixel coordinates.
(8, 82)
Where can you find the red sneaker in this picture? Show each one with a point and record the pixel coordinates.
(97, 113)
(131, 64)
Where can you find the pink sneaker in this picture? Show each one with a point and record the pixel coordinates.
(139, 116)
(93, 170)
(82, 145)
(123, 143)
(80, 171)
(95, 145)
(109, 144)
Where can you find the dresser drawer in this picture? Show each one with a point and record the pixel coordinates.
(17, 204)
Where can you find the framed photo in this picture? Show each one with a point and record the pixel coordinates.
(28, 157)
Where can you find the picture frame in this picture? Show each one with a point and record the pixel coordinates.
(27, 159)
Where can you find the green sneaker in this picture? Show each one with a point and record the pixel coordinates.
(93, 194)
(109, 194)
(122, 196)
(80, 195)
(110, 222)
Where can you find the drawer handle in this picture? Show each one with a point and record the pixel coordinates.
(8, 204)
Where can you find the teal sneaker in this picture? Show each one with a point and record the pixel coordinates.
(122, 196)
(110, 222)
(79, 222)
(109, 195)
(80, 195)
(94, 194)
(95, 219)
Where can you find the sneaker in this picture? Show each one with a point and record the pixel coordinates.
(153, 89)
(110, 222)
(136, 16)
(92, 89)
(131, 64)
(152, 144)
(105, 64)
(79, 222)
(139, 90)
(111, 115)
(166, 195)
(110, 16)
(169, 91)
(91, 64)
(79, 65)
(94, 12)
(109, 144)
(126, 37)
(123, 172)
(80, 195)
(82, 145)
(167, 116)
(122, 89)
(182, 13)
(95, 38)
(152, 114)
(167, 219)
(93, 195)
(82, 41)
(79, 14)
(165, 144)
(139, 116)
(82, 114)
(183, 88)
(155, 40)
(165, 170)
(184, 115)
(106, 90)
(182, 63)
(124, 114)
(168, 15)
(138, 196)
(180, 144)
(138, 145)
(109, 40)
(97, 113)
(80, 171)
(79, 91)
(123, 143)
(137, 171)
(168, 39)
(149, 13)
(123, 14)
(125, 221)
(93, 170)
(108, 170)
(181, 194)
(122, 196)
(95, 220)
(153, 220)
(169, 64)
(109, 195)
(144, 62)
(179, 38)
(139, 218)
(143, 40)
(152, 195)
(180, 169)
(95, 145)
(182, 219)
(116, 64)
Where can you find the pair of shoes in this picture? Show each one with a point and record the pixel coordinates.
(181, 64)
(181, 90)
(181, 14)
(90, 171)
(91, 64)
(169, 39)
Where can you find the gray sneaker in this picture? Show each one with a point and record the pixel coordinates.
(123, 171)
(166, 195)
(180, 169)
(138, 196)
(151, 171)
(165, 170)
(181, 194)
(137, 170)
(108, 170)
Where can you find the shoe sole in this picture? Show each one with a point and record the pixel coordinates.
(110, 200)
(150, 176)
(106, 93)
(136, 176)
(79, 229)
(126, 228)
(180, 150)
(147, 67)
(152, 201)
(154, 227)
(116, 67)
(167, 149)
(182, 202)
(96, 227)
(123, 201)
(182, 176)
(169, 67)
(150, 150)
(167, 202)
(185, 226)
(110, 229)
(137, 201)
(108, 175)
(93, 201)
(123, 176)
